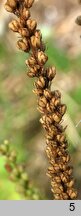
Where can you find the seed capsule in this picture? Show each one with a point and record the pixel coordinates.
(8, 8)
(38, 34)
(12, 3)
(31, 24)
(47, 94)
(70, 184)
(23, 45)
(36, 39)
(72, 193)
(42, 102)
(14, 26)
(29, 3)
(62, 109)
(42, 58)
(25, 14)
(31, 61)
(24, 32)
(60, 137)
(35, 42)
(51, 72)
(56, 117)
(33, 72)
(41, 82)
(38, 92)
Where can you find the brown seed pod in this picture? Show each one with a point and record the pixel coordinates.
(41, 83)
(51, 72)
(42, 102)
(62, 109)
(54, 102)
(38, 92)
(31, 62)
(25, 14)
(49, 102)
(33, 72)
(8, 8)
(24, 32)
(12, 3)
(35, 42)
(36, 39)
(31, 24)
(60, 138)
(72, 193)
(29, 3)
(14, 26)
(23, 45)
(38, 34)
(70, 184)
(42, 58)
(47, 94)
(41, 109)
(57, 117)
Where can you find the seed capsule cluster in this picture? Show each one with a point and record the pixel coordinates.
(49, 102)
(17, 173)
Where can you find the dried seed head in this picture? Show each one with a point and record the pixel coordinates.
(42, 58)
(29, 3)
(31, 24)
(14, 25)
(51, 72)
(23, 45)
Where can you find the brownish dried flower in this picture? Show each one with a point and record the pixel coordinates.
(49, 103)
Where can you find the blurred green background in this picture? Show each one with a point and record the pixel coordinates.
(19, 118)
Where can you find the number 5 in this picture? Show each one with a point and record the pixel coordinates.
(72, 207)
